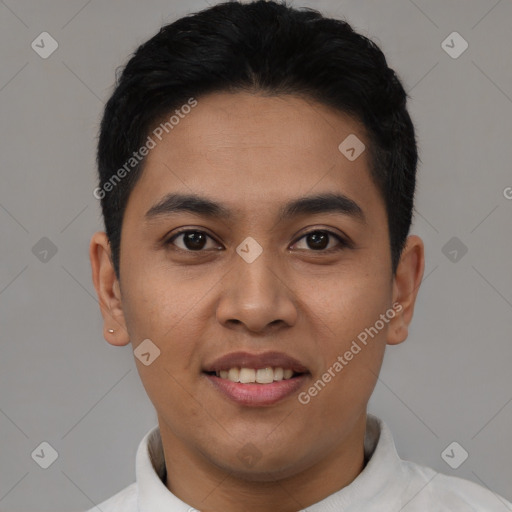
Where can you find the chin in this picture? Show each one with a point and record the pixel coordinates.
(260, 468)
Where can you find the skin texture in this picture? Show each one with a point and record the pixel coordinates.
(254, 153)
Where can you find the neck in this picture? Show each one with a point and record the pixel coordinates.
(209, 488)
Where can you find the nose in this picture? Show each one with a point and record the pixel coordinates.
(257, 296)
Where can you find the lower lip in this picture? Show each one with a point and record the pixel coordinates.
(257, 395)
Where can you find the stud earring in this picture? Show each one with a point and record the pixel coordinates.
(111, 330)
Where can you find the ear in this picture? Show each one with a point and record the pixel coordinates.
(406, 283)
(108, 290)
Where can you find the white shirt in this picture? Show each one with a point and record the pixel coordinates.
(386, 484)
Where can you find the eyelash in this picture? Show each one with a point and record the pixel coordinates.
(343, 244)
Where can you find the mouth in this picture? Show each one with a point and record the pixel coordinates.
(256, 375)
(256, 380)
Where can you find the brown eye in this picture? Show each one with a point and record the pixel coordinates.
(192, 240)
(318, 240)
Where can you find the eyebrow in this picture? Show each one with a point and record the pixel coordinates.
(174, 203)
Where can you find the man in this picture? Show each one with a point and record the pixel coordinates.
(257, 172)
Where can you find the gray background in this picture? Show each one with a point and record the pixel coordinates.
(60, 381)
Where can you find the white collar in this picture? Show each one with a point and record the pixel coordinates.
(383, 479)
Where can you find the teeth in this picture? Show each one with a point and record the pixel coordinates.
(265, 375)
(233, 375)
(247, 375)
(251, 375)
(278, 374)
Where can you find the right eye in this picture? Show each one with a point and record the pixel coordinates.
(193, 240)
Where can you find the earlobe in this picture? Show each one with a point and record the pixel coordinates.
(108, 290)
(406, 283)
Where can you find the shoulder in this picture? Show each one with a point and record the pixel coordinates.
(430, 490)
(125, 500)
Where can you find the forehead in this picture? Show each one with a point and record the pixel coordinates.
(253, 150)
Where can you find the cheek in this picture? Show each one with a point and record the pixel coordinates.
(158, 310)
(347, 315)
(349, 302)
(166, 313)
(155, 303)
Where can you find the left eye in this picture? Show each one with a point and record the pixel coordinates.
(318, 240)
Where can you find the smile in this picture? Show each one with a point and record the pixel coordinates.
(256, 380)
(251, 375)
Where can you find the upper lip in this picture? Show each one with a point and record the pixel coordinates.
(262, 360)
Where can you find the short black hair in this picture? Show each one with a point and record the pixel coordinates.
(260, 47)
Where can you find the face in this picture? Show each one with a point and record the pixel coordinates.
(251, 283)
